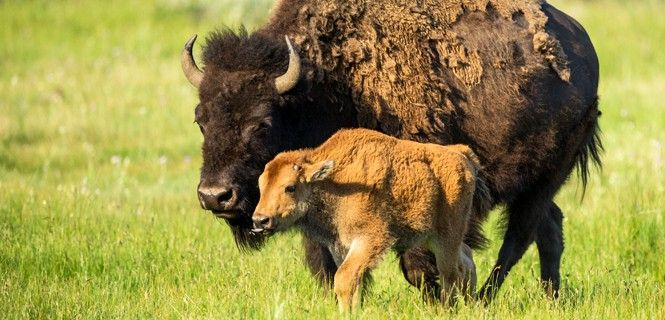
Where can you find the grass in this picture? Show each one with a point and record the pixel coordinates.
(99, 162)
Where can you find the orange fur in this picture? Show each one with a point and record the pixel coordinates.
(362, 192)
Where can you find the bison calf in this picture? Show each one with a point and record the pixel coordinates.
(362, 192)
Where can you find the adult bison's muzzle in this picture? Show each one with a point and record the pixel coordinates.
(224, 200)
(219, 200)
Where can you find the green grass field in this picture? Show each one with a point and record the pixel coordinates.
(99, 163)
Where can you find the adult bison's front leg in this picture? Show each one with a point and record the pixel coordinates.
(419, 268)
(320, 262)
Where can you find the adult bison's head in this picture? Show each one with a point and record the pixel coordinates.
(246, 116)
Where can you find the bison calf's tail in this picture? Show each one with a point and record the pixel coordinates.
(482, 204)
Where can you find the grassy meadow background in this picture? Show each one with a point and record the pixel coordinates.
(99, 163)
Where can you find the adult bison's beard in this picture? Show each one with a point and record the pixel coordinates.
(241, 227)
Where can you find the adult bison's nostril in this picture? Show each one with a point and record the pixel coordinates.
(218, 199)
(225, 196)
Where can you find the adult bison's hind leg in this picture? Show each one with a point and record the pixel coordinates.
(550, 248)
(419, 268)
(524, 216)
(320, 262)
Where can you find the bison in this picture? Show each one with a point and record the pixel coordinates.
(515, 80)
(362, 192)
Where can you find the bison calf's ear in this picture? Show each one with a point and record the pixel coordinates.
(319, 171)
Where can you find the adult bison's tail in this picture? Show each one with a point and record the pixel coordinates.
(591, 145)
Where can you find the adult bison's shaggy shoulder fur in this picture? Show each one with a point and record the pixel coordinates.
(515, 80)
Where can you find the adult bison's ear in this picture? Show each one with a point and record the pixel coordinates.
(319, 171)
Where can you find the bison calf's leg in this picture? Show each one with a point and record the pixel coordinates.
(419, 268)
(362, 256)
(320, 262)
(468, 271)
(550, 248)
(448, 263)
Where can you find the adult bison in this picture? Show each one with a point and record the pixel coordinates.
(515, 80)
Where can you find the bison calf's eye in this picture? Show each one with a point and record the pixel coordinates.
(290, 189)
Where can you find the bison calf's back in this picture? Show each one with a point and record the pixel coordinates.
(362, 192)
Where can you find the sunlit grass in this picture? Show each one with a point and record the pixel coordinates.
(99, 162)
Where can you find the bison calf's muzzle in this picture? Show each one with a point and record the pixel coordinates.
(262, 223)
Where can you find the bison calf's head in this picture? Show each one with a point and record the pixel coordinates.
(286, 187)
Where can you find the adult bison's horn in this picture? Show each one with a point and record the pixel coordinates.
(192, 72)
(289, 79)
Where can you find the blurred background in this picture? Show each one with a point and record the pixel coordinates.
(99, 160)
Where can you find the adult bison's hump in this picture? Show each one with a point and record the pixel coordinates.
(486, 73)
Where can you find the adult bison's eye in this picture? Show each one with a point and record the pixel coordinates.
(261, 128)
(290, 189)
(264, 125)
(255, 130)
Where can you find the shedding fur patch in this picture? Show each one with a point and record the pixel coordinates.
(409, 59)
